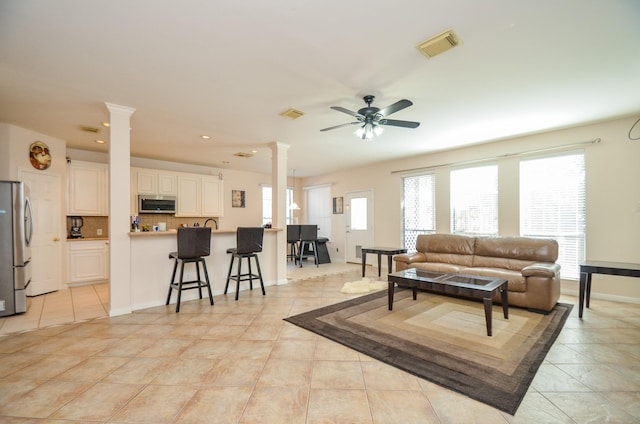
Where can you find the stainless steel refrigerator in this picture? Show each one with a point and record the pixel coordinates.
(16, 229)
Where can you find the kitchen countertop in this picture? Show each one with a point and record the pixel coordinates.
(173, 232)
(87, 238)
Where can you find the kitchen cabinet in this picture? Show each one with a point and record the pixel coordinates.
(87, 184)
(159, 183)
(88, 261)
(199, 196)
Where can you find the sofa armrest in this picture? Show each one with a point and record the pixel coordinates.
(409, 258)
(541, 270)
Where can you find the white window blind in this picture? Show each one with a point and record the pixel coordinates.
(474, 201)
(552, 204)
(418, 208)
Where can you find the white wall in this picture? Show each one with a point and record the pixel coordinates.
(612, 185)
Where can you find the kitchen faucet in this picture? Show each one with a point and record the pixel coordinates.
(210, 219)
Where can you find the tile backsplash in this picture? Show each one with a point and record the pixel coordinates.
(94, 223)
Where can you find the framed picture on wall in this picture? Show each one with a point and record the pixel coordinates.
(337, 205)
(237, 198)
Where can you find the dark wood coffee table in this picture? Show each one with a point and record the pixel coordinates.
(460, 285)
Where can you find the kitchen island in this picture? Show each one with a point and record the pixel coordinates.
(151, 267)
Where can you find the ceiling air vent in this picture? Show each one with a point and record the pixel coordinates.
(292, 113)
(243, 155)
(90, 129)
(439, 44)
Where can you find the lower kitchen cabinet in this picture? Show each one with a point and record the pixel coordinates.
(88, 261)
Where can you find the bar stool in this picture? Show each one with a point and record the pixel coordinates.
(194, 243)
(293, 238)
(248, 245)
(308, 238)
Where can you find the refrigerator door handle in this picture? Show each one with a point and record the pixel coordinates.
(28, 218)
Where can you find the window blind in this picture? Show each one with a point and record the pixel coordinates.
(474, 201)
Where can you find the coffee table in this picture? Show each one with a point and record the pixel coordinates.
(460, 285)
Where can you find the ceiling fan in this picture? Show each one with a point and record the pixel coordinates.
(373, 118)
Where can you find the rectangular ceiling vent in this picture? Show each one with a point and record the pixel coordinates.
(243, 155)
(90, 129)
(292, 113)
(439, 44)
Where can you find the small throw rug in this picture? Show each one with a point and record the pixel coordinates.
(444, 340)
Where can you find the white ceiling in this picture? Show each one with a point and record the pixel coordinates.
(228, 69)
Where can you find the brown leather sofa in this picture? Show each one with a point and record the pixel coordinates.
(528, 264)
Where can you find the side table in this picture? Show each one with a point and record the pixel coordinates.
(389, 251)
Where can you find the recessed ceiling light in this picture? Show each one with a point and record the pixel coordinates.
(106, 124)
(254, 151)
(205, 137)
(99, 141)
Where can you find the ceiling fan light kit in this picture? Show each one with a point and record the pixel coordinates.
(371, 119)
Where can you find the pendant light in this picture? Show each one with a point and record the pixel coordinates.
(294, 206)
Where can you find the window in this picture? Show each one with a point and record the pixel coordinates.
(552, 204)
(267, 200)
(474, 201)
(418, 208)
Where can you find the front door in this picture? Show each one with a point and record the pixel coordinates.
(46, 250)
(359, 218)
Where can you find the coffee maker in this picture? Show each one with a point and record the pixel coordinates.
(75, 224)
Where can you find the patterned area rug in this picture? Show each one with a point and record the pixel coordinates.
(444, 340)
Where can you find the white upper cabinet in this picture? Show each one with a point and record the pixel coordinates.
(189, 195)
(159, 183)
(212, 200)
(88, 192)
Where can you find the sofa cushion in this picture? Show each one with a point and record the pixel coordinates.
(513, 253)
(438, 266)
(447, 248)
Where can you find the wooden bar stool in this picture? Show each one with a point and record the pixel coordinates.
(194, 243)
(248, 245)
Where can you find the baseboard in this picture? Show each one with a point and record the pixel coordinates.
(603, 296)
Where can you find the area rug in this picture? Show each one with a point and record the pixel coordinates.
(444, 340)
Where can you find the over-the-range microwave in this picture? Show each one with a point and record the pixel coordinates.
(156, 204)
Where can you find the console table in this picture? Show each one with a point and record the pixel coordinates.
(600, 267)
(389, 251)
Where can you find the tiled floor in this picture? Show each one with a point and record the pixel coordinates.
(239, 362)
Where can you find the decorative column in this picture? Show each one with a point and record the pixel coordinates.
(279, 206)
(119, 209)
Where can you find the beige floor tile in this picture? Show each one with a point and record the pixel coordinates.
(590, 407)
(185, 371)
(285, 373)
(156, 404)
(139, 371)
(275, 405)
(338, 406)
(44, 400)
(337, 375)
(263, 368)
(236, 372)
(380, 376)
(215, 404)
(98, 403)
(398, 406)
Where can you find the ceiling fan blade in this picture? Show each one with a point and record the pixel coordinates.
(341, 125)
(396, 123)
(399, 105)
(347, 111)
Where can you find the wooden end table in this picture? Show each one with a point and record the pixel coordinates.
(389, 251)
